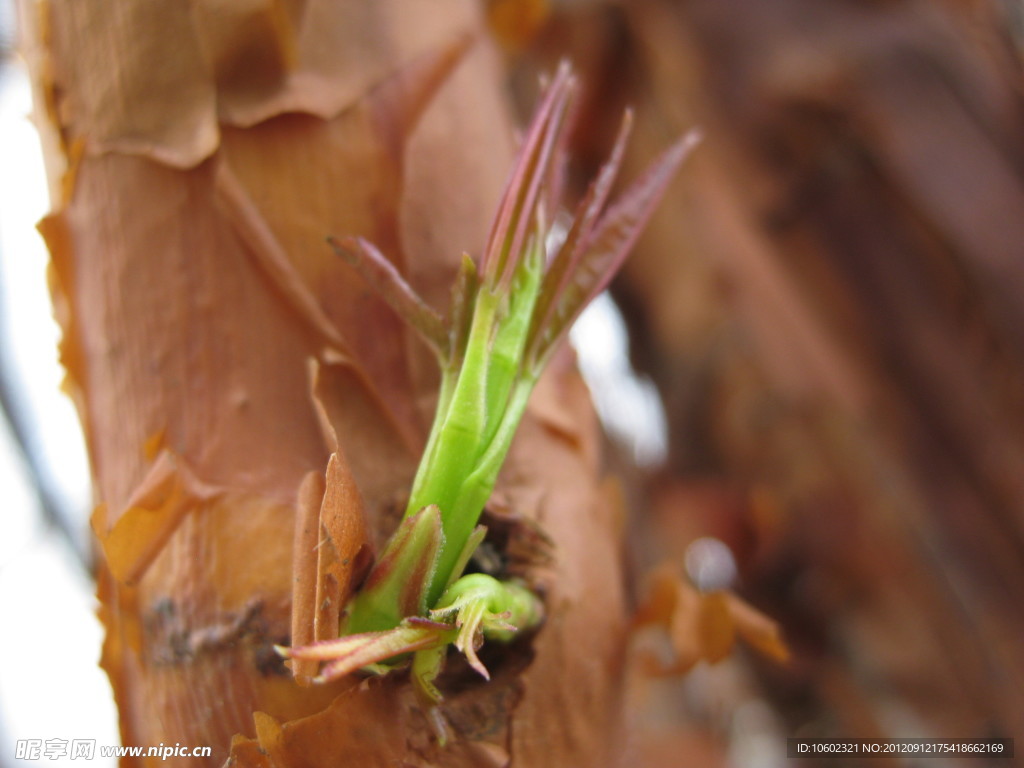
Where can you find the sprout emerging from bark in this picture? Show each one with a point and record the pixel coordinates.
(506, 320)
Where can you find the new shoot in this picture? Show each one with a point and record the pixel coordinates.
(507, 318)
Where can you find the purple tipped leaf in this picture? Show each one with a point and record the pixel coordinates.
(325, 650)
(561, 268)
(619, 229)
(509, 199)
(528, 211)
(542, 175)
(375, 647)
(519, 200)
(381, 275)
(603, 250)
(594, 201)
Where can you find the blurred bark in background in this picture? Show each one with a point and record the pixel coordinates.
(831, 307)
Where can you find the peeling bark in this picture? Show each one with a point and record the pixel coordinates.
(199, 155)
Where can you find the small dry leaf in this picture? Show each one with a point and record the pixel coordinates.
(702, 626)
(757, 629)
(343, 546)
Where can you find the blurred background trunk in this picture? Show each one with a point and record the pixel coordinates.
(831, 309)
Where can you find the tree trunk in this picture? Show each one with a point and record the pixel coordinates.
(199, 154)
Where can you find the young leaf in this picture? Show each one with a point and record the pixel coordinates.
(396, 587)
(382, 276)
(517, 209)
(560, 269)
(612, 239)
(348, 654)
(600, 250)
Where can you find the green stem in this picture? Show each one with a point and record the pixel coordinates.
(505, 363)
(444, 397)
(476, 490)
(458, 439)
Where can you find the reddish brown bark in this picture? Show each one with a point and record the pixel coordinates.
(200, 155)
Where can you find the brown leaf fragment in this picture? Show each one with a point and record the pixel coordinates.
(488, 755)
(343, 549)
(250, 47)
(156, 82)
(716, 631)
(154, 444)
(702, 626)
(662, 595)
(757, 629)
(348, 404)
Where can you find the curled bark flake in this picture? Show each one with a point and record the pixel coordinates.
(160, 502)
